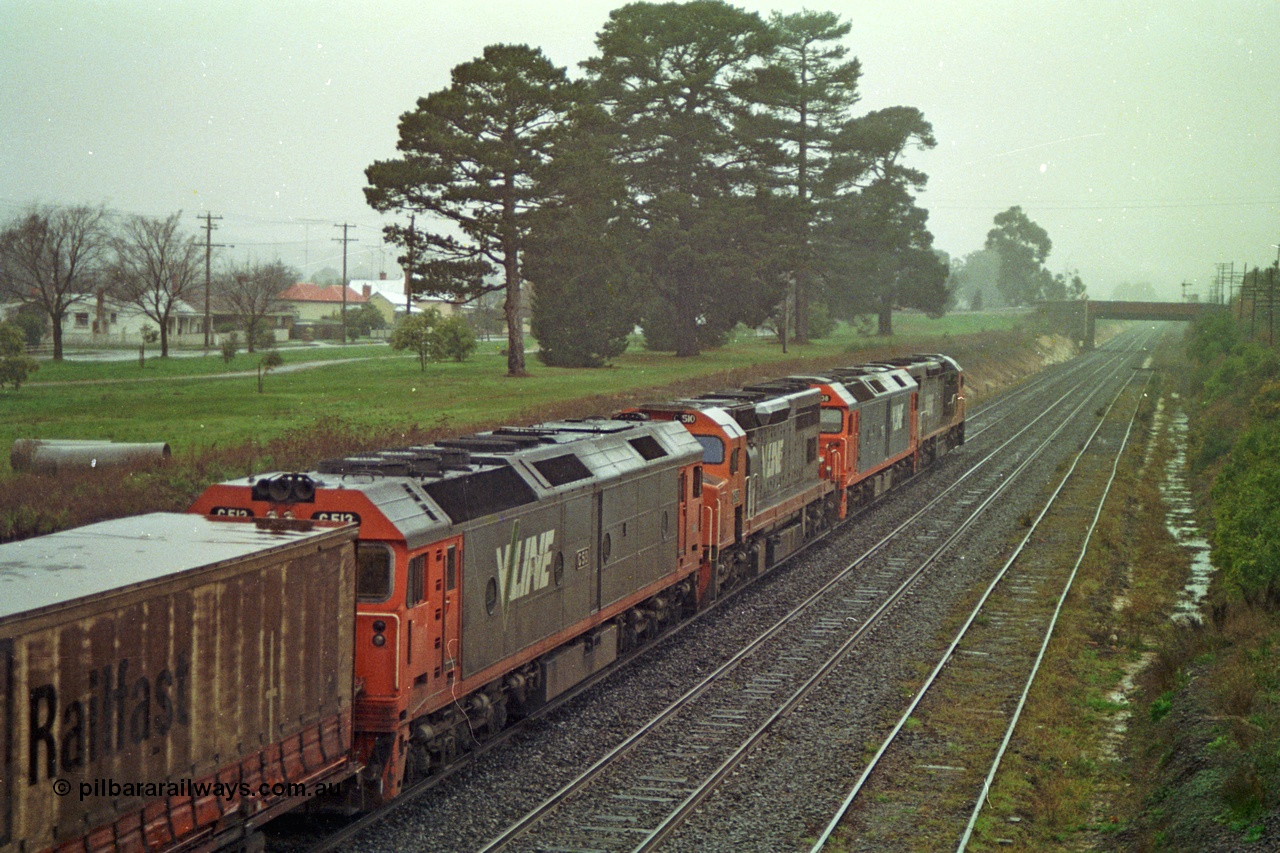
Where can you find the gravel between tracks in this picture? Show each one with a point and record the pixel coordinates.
(817, 759)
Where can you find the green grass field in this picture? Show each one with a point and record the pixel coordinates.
(192, 404)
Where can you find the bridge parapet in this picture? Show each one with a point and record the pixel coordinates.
(1076, 318)
(1177, 312)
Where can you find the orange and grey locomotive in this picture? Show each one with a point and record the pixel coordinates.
(490, 574)
(495, 571)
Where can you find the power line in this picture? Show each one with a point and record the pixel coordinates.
(345, 239)
(209, 246)
(1086, 205)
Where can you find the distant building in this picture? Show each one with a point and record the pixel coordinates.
(312, 302)
(389, 298)
(99, 320)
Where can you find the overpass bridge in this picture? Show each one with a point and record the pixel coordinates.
(1081, 315)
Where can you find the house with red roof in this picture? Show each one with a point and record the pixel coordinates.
(312, 302)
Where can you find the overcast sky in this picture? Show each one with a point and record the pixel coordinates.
(1143, 135)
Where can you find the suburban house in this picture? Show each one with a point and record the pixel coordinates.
(310, 303)
(388, 296)
(100, 320)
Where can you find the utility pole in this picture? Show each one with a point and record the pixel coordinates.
(344, 239)
(411, 246)
(209, 246)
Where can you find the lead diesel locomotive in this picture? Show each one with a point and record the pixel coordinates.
(497, 570)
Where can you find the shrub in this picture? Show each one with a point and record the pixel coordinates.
(33, 323)
(1212, 335)
(454, 339)
(15, 364)
(269, 362)
(821, 323)
(230, 346)
(263, 338)
(1246, 495)
(434, 337)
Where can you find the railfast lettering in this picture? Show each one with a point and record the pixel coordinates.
(117, 711)
(896, 416)
(524, 566)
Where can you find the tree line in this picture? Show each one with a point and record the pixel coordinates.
(54, 259)
(708, 168)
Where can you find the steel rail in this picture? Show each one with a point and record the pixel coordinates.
(674, 818)
(521, 826)
(1044, 646)
(337, 839)
(964, 628)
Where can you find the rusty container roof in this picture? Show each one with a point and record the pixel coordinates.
(113, 556)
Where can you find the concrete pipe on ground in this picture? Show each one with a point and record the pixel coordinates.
(49, 456)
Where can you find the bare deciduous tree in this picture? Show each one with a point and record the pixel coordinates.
(154, 266)
(52, 257)
(251, 291)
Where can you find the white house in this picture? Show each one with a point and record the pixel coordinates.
(389, 297)
(98, 320)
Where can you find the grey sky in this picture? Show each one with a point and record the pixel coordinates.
(1143, 136)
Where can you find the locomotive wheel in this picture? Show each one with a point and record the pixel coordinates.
(498, 716)
(418, 762)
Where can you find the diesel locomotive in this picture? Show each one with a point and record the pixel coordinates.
(495, 571)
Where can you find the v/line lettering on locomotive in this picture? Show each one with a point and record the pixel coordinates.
(772, 461)
(524, 565)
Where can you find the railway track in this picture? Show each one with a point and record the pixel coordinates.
(641, 792)
(757, 695)
(940, 772)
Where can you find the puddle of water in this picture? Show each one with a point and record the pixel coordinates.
(1181, 524)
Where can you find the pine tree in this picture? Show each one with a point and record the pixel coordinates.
(471, 154)
(808, 91)
(675, 81)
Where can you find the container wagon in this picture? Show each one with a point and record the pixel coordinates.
(171, 682)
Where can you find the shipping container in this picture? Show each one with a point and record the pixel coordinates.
(171, 680)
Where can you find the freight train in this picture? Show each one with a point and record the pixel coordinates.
(492, 573)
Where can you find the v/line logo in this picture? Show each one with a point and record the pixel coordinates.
(524, 565)
(772, 461)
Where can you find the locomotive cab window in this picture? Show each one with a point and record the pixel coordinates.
(374, 579)
(712, 449)
(416, 590)
(831, 421)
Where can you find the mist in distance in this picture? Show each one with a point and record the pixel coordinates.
(1144, 136)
